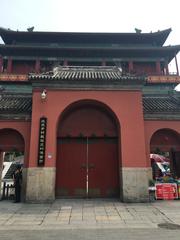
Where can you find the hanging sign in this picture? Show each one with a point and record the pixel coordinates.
(42, 141)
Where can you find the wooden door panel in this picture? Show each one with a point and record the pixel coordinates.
(103, 167)
(100, 155)
(71, 175)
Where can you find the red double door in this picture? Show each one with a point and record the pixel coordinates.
(87, 167)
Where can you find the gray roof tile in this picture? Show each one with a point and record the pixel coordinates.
(161, 104)
(84, 73)
(10, 103)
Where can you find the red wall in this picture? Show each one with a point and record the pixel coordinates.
(152, 126)
(148, 68)
(22, 128)
(88, 121)
(19, 67)
(126, 105)
(11, 139)
(165, 139)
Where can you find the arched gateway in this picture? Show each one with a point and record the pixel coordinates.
(87, 152)
(11, 140)
(167, 142)
(11, 143)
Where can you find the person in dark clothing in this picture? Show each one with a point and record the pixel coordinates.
(17, 177)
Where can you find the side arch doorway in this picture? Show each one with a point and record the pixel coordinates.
(166, 142)
(11, 152)
(87, 152)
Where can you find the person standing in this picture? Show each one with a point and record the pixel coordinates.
(17, 177)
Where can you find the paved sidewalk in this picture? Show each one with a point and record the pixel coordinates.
(87, 214)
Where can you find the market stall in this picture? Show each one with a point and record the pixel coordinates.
(165, 185)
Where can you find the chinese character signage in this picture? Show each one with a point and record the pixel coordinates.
(42, 141)
(167, 191)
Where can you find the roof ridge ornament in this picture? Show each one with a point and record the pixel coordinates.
(137, 30)
(30, 29)
(59, 69)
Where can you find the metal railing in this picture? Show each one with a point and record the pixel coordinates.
(8, 191)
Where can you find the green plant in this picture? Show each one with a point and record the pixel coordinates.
(151, 182)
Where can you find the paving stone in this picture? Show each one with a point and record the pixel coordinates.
(89, 214)
(101, 218)
(114, 218)
(2, 222)
(27, 223)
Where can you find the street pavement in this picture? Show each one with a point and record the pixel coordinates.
(74, 214)
(91, 234)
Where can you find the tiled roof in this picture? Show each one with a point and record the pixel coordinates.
(9, 37)
(10, 103)
(84, 73)
(161, 104)
(151, 104)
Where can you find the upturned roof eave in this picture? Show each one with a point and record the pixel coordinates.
(166, 52)
(158, 37)
(78, 47)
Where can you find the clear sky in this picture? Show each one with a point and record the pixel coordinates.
(93, 16)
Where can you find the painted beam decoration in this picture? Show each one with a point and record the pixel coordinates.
(42, 141)
(13, 77)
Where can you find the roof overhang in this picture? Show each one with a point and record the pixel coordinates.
(153, 38)
(164, 53)
(102, 78)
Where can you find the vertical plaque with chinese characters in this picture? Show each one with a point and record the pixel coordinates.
(42, 141)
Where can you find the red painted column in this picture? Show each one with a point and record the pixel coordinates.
(177, 69)
(37, 66)
(103, 63)
(65, 63)
(158, 67)
(130, 63)
(9, 65)
(1, 64)
(167, 68)
(1, 160)
(1, 168)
